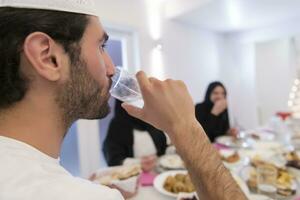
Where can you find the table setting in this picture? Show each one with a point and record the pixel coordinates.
(264, 167)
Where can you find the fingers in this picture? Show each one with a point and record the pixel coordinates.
(148, 164)
(142, 80)
(133, 111)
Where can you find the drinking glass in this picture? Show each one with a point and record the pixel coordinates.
(125, 87)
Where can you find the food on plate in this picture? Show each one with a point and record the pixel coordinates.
(290, 156)
(256, 162)
(255, 136)
(235, 157)
(284, 182)
(179, 183)
(293, 163)
(293, 160)
(121, 173)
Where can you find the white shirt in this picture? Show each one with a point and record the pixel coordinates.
(28, 174)
(143, 144)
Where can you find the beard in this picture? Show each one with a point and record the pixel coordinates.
(81, 97)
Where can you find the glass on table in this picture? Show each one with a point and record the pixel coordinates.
(266, 180)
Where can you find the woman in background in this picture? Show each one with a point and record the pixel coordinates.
(132, 140)
(212, 113)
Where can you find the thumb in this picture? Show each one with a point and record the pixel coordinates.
(132, 110)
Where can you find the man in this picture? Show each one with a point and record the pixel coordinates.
(53, 71)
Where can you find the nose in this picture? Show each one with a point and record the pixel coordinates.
(110, 66)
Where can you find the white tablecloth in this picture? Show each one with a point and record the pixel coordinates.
(150, 193)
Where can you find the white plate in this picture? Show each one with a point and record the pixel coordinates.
(182, 195)
(226, 140)
(268, 145)
(172, 161)
(232, 142)
(264, 135)
(242, 184)
(241, 162)
(160, 180)
(259, 197)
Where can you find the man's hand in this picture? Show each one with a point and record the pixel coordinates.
(219, 107)
(148, 163)
(167, 104)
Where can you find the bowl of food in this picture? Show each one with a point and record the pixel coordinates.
(234, 142)
(171, 183)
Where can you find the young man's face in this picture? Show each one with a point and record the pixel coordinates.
(86, 92)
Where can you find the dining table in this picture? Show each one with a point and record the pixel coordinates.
(248, 147)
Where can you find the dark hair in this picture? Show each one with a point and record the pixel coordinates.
(210, 89)
(15, 25)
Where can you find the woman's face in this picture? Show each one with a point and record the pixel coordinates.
(217, 94)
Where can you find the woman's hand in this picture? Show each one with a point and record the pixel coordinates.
(148, 163)
(219, 107)
(233, 132)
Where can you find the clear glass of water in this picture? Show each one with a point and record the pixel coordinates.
(266, 181)
(125, 87)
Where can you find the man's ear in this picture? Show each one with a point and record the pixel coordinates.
(45, 55)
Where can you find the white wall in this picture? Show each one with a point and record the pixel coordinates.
(191, 54)
(275, 72)
(188, 53)
(238, 70)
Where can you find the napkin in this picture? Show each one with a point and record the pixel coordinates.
(147, 178)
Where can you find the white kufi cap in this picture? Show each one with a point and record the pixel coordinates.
(74, 6)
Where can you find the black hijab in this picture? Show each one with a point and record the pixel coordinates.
(210, 90)
(214, 126)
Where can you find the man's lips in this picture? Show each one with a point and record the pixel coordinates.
(110, 83)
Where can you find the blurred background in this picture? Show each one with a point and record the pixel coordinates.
(252, 46)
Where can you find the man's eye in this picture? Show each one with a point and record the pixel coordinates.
(103, 46)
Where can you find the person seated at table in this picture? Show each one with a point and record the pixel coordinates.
(212, 113)
(132, 140)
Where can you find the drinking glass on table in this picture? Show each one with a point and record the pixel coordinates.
(266, 181)
(125, 87)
